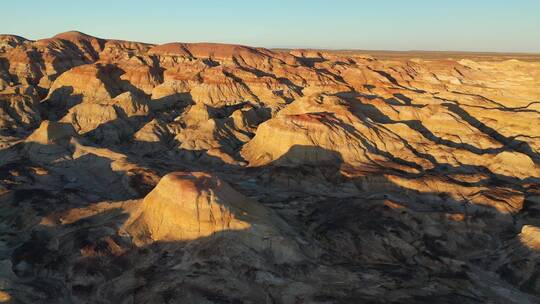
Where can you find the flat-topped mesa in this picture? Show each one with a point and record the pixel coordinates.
(221, 52)
(170, 49)
(217, 51)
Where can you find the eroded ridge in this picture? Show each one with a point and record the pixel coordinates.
(216, 173)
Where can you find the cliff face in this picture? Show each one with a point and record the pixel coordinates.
(329, 177)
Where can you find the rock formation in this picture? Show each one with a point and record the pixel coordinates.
(189, 206)
(329, 176)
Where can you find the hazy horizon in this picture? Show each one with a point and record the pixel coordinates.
(482, 26)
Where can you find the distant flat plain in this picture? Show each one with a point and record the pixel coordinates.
(437, 55)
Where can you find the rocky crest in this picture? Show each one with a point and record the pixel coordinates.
(215, 173)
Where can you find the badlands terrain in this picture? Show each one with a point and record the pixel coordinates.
(214, 173)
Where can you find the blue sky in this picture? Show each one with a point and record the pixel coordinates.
(473, 25)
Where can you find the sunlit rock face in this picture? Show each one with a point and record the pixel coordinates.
(187, 206)
(216, 173)
(530, 236)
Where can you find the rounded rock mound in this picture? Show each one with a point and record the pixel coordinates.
(73, 35)
(187, 206)
(196, 206)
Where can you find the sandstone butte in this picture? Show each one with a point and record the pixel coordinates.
(216, 173)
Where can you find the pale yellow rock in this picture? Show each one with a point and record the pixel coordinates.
(4, 297)
(530, 237)
(186, 206)
(86, 117)
(130, 104)
(153, 131)
(514, 164)
(50, 132)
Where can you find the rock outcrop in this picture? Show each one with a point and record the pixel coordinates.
(417, 179)
(187, 206)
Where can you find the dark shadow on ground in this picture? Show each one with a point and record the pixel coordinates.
(382, 237)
